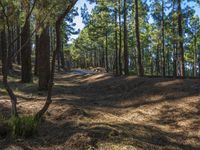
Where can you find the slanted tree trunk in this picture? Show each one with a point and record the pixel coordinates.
(137, 31)
(55, 52)
(5, 60)
(126, 61)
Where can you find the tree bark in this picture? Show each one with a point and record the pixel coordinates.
(107, 66)
(26, 74)
(163, 40)
(116, 45)
(195, 56)
(120, 39)
(44, 58)
(36, 54)
(137, 31)
(126, 61)
(55, 52)
(180, 33)
(18, 45)
(62, 57)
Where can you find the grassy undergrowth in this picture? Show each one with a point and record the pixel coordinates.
(24, 126)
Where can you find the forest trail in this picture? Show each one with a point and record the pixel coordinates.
(99, 111)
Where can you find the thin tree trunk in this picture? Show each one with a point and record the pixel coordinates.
(137, 31)
(107, 66)
(195, 55)
(116, 45)
(18, 45)
(126, 61)
(163, 40)
(36, 54)
(180, 33)
(120, 39)
(157, 61)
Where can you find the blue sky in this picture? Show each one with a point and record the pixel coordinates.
(80, 3)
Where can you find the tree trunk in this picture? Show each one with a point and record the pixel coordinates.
(55, 52)
(157, 61)
(174, 46)
(137, 31)
(163, 40)
(36, 54)
(120, 39)
(9, 34)
(18, 45)
(195, 56)
(44, 59)
(126, 61)
(62, 57)
(26, 74)
(116, 45)
(107, 66)
(5, 60)
(180, 33)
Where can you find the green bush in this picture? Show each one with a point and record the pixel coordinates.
(24, 126)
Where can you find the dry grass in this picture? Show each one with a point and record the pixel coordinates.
(108, 113)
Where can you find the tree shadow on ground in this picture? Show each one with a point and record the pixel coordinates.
(121, 92)
(71, 136)
(113, 95)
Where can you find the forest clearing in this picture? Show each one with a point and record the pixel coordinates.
(99, 74)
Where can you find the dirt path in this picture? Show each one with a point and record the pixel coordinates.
(98, 111)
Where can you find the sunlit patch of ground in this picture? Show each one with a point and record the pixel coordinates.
(99, 111)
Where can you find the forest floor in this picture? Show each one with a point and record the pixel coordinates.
(99, 111)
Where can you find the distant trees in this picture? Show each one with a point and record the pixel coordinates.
(158, 40)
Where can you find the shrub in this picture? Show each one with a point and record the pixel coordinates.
(24, 126)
